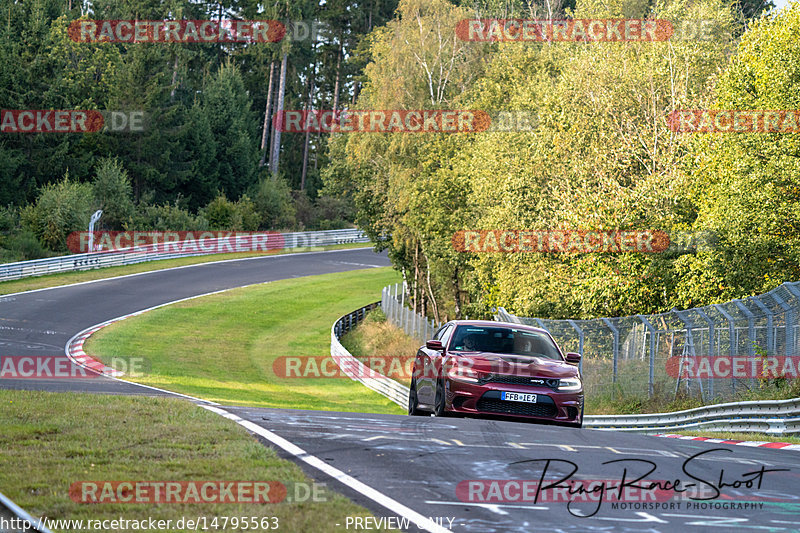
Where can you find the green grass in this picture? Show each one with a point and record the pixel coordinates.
(376, 341)
(222, 347)
(51, 440)
(730, 435)
(55, 280)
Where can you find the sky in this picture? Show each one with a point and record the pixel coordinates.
(780, 3)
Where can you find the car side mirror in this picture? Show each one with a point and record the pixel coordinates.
(573, 357)
(434, 345)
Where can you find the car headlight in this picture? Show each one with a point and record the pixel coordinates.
(569, 384)
(461, 373)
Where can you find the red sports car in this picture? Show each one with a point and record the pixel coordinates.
(477, 367)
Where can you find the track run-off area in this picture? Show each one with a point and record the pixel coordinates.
(467, 474)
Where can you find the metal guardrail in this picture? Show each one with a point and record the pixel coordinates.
(14, 519)
(355, 369)
(88, 261)
(779, 417)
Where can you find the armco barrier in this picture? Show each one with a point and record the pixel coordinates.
(779, 417)
(88, 261)
(356, 370)
(14, 514)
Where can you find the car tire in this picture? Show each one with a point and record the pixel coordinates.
(439, 400)
(413, 401)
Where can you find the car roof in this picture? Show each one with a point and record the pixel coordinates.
(492, 323)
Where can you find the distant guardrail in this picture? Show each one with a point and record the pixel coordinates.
(14, 519)
(777, 417)
(89, 261)
(354, 368)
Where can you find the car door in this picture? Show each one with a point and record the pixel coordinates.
(427, 365)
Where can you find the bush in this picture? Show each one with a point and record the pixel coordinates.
(9, 219)
(273, 204)
(169, 218)
(24, 245)
(221, 214)
(61, 208)
(113, 194)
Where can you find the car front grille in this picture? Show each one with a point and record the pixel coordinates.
(522, 380)
(542, 410)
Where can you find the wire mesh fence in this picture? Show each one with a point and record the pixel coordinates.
(715, 352)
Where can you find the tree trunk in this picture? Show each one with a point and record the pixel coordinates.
(174, 78)
(278, 124)
(338, 78)
(457, 298)
(308, 133)
(267, 117)
(430, 293)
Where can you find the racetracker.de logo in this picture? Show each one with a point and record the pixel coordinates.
(566, 30)
(734, 121)
(560, 241)
(383, 121)
(60, 367)
(70, 121)
(726, 367)
(584, 490)
(180, 492)
(177, 242)
(176, 31)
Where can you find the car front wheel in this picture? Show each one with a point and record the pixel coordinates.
(413, 401)
(439, 401)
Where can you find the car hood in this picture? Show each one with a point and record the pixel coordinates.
(517, 365)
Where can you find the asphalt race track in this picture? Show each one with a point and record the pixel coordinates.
(426, 463)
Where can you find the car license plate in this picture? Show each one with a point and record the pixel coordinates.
(518, 397)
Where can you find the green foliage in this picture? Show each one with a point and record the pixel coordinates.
(113, 194)
(24, 246)
(169, 217)
(747, 185)
(222, 214)
(60, 209)
(273, 203)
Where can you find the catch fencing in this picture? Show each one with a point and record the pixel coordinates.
(393, 304)
(717, 352)
(141, 254)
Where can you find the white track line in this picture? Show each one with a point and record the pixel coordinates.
(268, 256)
(420, 521)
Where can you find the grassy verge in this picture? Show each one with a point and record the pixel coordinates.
(222, 347)
(730, 435)
(51, 440)
(375, 340)
(55, 280)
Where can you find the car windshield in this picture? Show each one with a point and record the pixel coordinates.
(504, 340)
